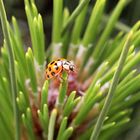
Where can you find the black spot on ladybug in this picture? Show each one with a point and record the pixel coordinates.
(58, 59)
(66, 63)
(56, 67)
(52, 73)
(48, 76)
(55, 64)
(52, 62)
(49, 68)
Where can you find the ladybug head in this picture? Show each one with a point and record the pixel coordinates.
(69, 66)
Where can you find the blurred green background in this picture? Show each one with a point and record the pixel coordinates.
(130, 14)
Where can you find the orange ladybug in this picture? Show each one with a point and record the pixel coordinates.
(55, 68)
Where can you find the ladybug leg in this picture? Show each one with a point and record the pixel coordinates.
(80, 93)
(60, 78)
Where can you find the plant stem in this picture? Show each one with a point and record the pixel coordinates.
(73, 16)
(77, 29)
(119, 25)
(112, 88)
(12, 69)
(109, 27)
(57, 20)
(63, 89)
(94, 22)
(52, 124)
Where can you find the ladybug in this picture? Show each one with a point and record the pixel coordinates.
(55, 68)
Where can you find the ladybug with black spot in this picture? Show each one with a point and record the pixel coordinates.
(55, 68)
